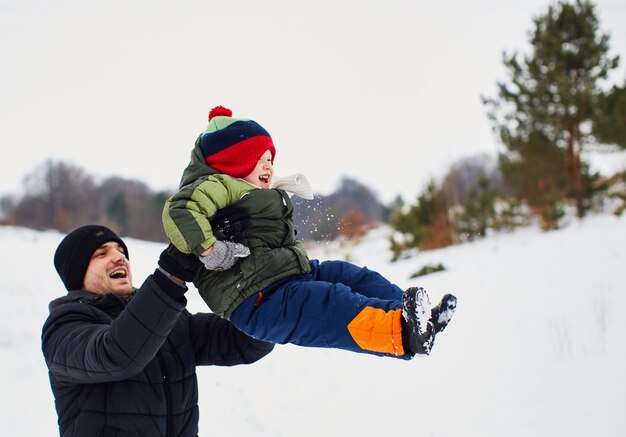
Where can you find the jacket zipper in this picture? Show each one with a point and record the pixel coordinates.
(169, 432)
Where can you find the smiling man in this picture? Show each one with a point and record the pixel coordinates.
(122, 361)
(108, 271)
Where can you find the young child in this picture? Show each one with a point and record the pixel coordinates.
(260, 277)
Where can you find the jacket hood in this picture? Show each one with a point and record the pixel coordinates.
(197, 166)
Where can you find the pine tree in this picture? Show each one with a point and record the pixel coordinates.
(552, 100)
(424, 225)
(610, 127)
(478, 211)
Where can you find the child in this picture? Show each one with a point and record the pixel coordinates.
(259, 276)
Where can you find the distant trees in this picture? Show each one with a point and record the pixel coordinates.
(349, 212)
(464, 175)
(132, 207)
(424, 225)
(478, 211)
(62, 196)
(459, 209)
(547, 113)
(58, 196)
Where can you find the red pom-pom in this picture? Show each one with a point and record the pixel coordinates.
(220, 111)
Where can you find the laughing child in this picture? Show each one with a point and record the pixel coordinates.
(231, 213)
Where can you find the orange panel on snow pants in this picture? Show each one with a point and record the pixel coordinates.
(377, 330)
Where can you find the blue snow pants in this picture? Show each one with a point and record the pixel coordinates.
(336, 305)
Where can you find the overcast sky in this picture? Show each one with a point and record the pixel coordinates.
(384, 91)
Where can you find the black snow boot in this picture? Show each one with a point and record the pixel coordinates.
(443, 312)
(418, 332)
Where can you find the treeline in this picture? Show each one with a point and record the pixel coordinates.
(63, 196)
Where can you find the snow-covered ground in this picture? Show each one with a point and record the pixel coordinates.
(537, 347)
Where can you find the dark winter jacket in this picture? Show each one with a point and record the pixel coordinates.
(128, 369)
(211, 206)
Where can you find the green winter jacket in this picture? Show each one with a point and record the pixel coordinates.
(211, 206)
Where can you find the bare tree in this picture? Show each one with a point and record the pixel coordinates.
(465, 175)
(58, 196)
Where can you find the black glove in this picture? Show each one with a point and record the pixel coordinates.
(181, 265)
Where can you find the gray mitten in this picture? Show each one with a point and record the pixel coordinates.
(224, 255)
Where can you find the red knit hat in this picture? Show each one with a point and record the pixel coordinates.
(234, 146)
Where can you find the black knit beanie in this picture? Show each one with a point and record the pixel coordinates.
(75, 250)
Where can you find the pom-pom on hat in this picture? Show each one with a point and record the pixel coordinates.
(73, 255)
(234, 146)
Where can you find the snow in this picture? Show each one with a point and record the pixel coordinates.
(536, 346)
(606, 163)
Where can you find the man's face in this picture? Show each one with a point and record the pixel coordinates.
(108, 271)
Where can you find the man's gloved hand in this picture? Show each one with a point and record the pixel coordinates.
(223, 255)
(179, 264)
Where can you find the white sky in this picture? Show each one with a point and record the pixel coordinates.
(384, 91)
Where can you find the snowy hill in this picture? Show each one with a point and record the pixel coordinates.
(536, 348)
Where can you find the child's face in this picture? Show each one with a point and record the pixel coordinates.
(262, 174)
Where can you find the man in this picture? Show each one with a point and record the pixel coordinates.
(122, 360)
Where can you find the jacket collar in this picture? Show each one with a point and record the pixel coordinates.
(83, 296)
